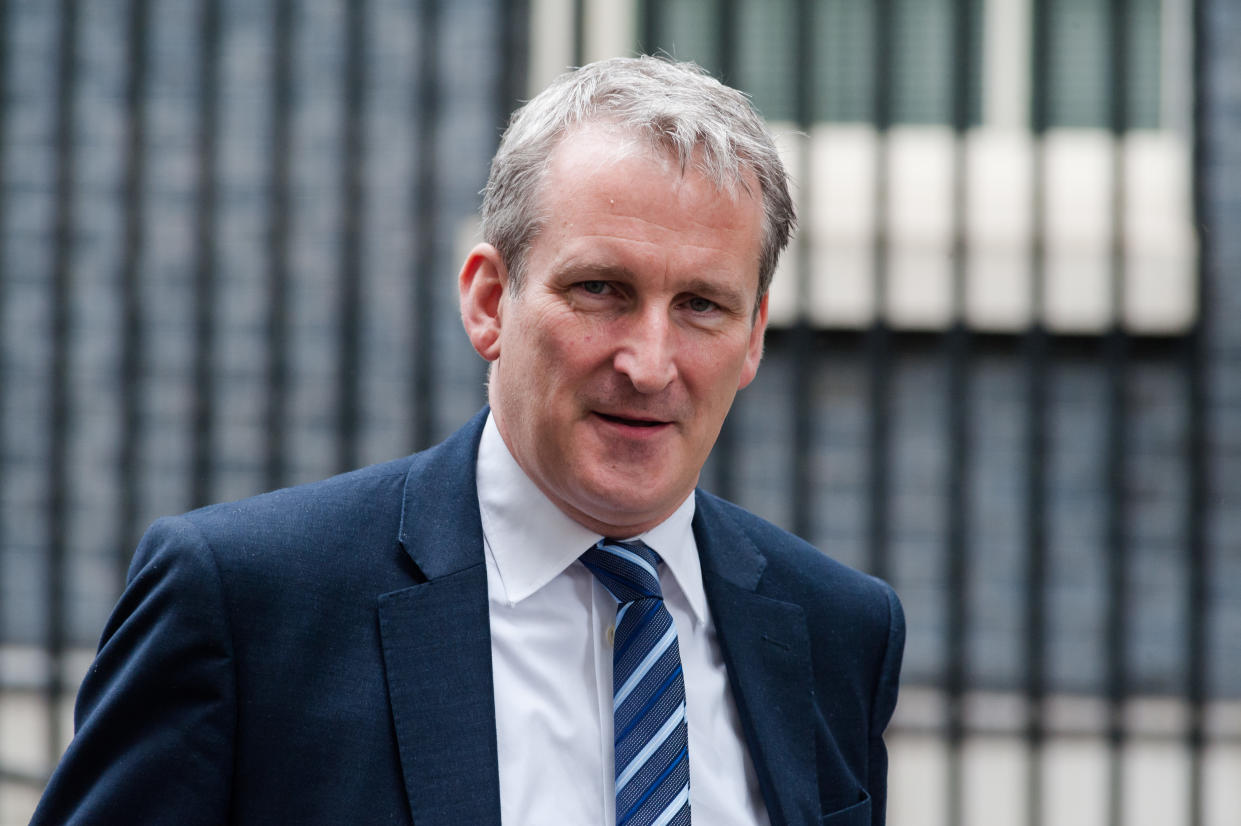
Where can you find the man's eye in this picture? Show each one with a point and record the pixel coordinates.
(699, 304)
(594, 287)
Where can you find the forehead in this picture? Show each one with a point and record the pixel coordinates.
(607, 142)
(605, 171)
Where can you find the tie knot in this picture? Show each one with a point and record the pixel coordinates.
(629, 570)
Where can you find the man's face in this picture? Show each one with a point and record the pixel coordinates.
(619, 358)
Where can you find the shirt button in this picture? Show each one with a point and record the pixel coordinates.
(611, 634)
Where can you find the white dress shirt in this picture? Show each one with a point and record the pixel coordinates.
(551, 659)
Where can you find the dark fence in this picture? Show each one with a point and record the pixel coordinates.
(228, 232)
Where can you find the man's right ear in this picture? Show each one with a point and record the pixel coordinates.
(481, 284)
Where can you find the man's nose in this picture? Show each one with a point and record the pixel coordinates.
(646, 353)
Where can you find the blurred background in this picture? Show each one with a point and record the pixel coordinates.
(1004, 369)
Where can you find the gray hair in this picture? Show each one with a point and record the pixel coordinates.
(675, 107)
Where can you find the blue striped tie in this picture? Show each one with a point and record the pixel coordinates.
(648, 689)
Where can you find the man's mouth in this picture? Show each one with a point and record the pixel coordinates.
(625, 420)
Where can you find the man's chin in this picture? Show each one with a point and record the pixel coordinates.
(644, 505)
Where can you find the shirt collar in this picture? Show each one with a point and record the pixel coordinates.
(531, 541)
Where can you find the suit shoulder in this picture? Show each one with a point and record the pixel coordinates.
(292, 531)
(307, 509)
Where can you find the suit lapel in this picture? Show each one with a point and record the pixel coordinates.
(437, 644)
(766, 649)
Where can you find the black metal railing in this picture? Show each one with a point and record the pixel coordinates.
(124, 405)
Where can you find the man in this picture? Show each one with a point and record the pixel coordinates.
(539, 620)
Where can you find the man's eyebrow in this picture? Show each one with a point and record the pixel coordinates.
(593, 270)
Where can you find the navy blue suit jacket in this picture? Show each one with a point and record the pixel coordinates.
(322, 654)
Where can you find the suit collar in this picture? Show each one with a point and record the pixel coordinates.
(436, 642)
(766, 648)
(440, 529)
(725, 551)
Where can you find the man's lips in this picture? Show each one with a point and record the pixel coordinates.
(631, 421)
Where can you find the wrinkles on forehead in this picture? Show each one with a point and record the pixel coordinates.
(623, 143)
